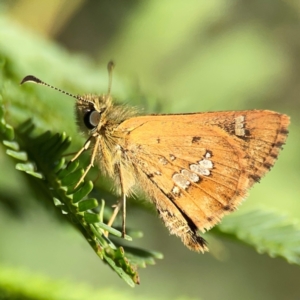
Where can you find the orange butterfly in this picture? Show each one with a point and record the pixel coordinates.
(194, 167)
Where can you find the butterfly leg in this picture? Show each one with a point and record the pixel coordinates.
(121, 203)
(114, 215)
(91, 164)
(123, 215)
(84, 148)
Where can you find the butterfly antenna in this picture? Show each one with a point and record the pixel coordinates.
(110, 67)
(31, 78)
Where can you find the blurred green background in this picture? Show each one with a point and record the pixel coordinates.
(171, 56)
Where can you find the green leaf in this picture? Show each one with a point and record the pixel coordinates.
(91, 218)
(11, 144)
(84, 190)
(7, 132)
(88, 204)
(267, 231)
(20, 155)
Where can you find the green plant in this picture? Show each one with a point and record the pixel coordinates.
(39, 151)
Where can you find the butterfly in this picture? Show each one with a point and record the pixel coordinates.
(194, 167)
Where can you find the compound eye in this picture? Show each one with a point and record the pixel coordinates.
(91, 119)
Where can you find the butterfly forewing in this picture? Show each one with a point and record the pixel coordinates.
(199, 166)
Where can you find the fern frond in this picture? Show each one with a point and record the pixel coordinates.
(267, 231)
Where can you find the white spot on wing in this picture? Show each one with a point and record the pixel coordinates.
(172, 157)
(176, 190)
(163, 160)
(206, 163)
(207, 155)
(200, 170)
(204, 166)
(181, 181)
(239, 127)
(190, 175)
(184, 178)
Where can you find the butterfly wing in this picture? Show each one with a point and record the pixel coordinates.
(198, 167)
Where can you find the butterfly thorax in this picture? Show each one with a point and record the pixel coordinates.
(98, 117)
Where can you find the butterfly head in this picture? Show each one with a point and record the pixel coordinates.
(91, 111)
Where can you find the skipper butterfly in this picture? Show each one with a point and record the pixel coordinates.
(194, 167)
